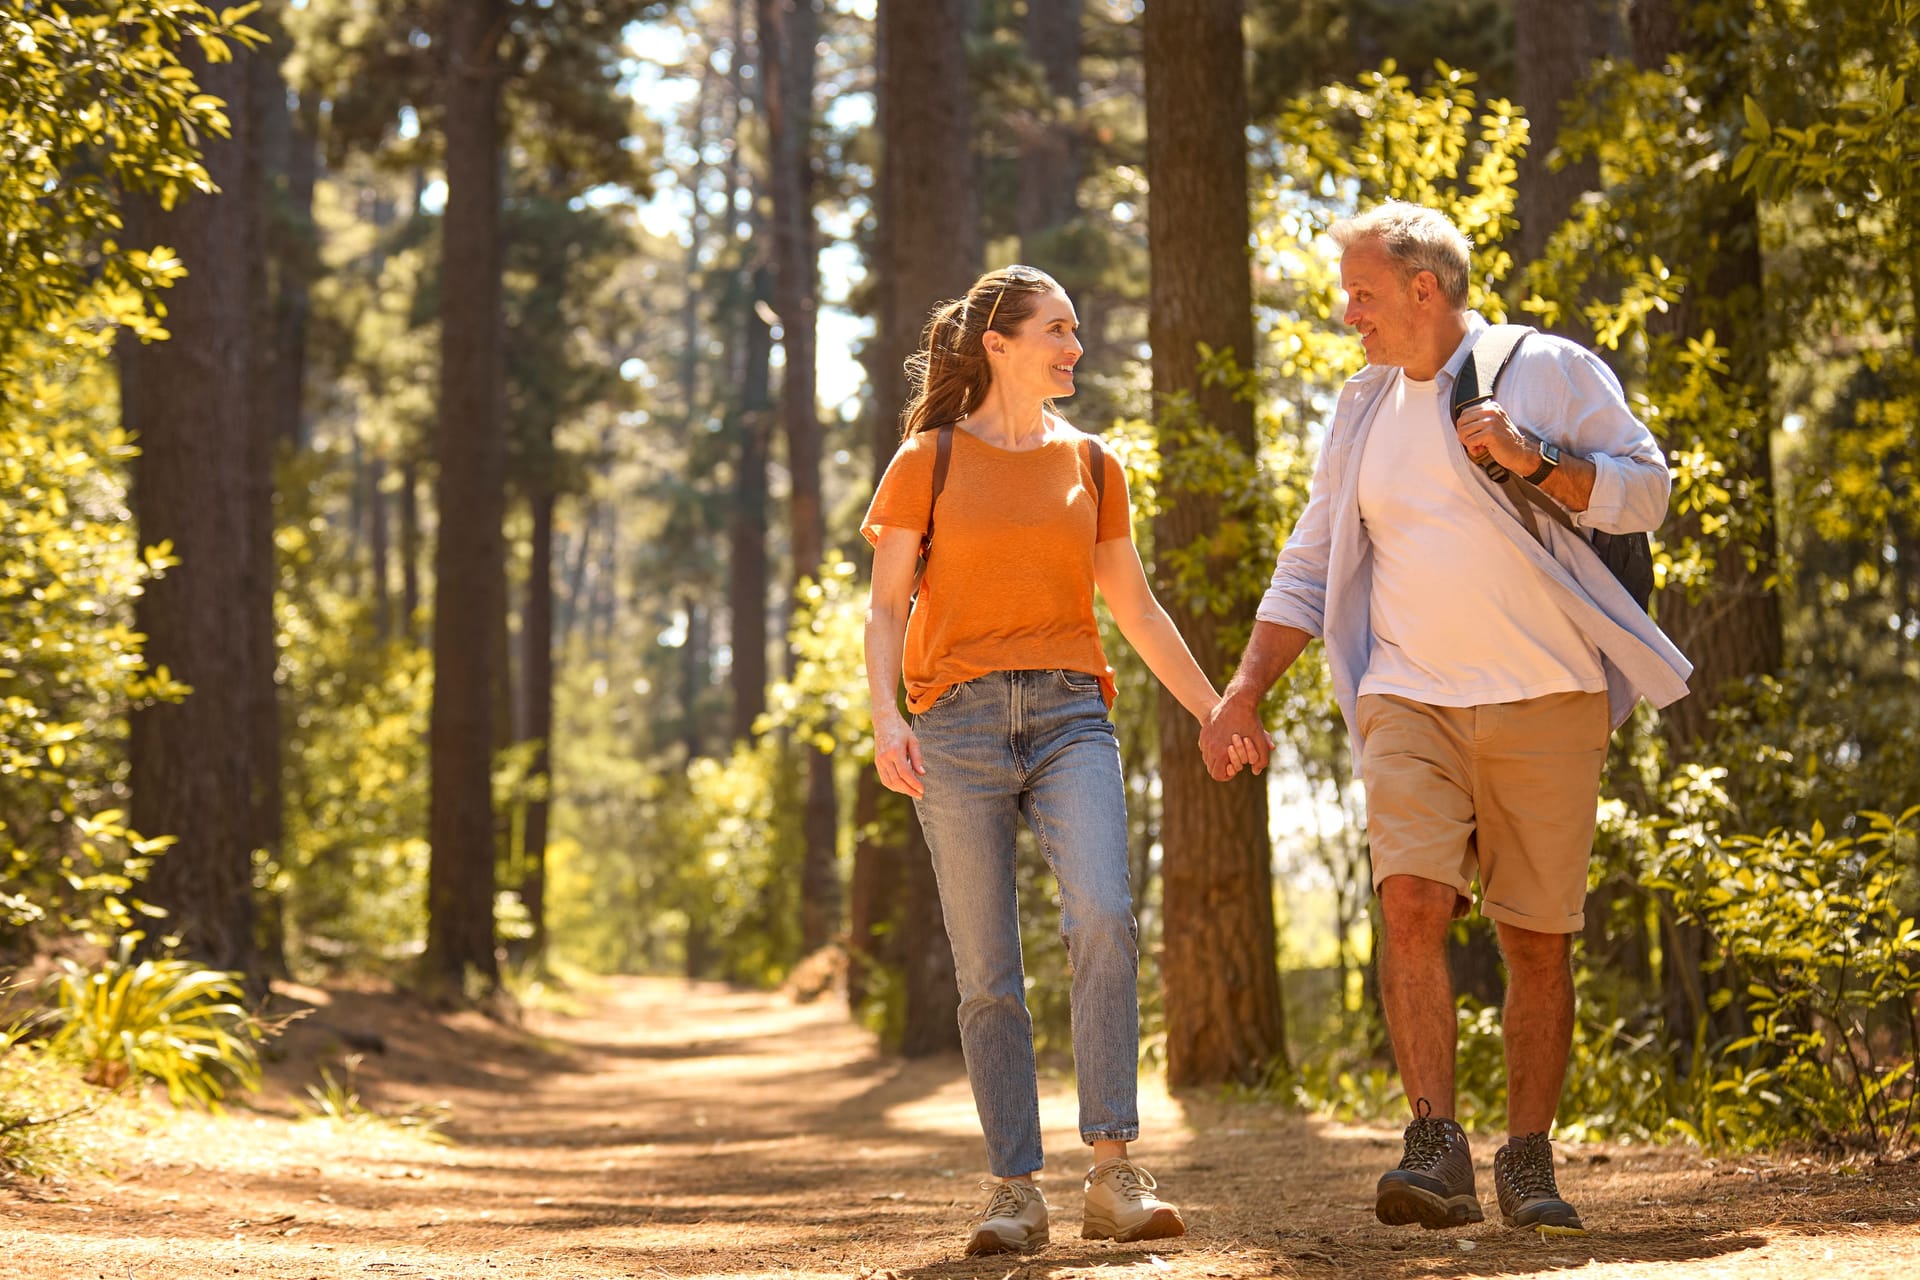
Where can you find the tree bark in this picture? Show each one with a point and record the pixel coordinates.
(469, 553)
(747, 578)
(1733, 630)
(788, 32)
(199, 770)
(409, 546)
(930, 227)
(1050, 148)
(1219, 973)
(1555, 45)
(536, 635)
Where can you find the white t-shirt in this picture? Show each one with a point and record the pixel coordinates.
(1459, 618)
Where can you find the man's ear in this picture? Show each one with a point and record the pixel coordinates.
(1426, 286)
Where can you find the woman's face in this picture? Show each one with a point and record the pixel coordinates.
(1038, 357)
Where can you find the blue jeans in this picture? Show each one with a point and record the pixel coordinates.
(1038, 743)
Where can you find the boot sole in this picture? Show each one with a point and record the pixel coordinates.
(1546, 1229)
(1162, 1224)
(1400, 1204)
(985, 1242)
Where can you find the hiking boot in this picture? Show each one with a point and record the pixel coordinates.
(1121, 1205)
(1014, 1221)
(1434, 1184)
(1523, 1179)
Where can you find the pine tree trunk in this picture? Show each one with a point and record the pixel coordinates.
(1733, 630)
(930, 225)
(536, 635)
(1050, 148)
(1221, 980)
(409, 546)
(788, 32)
(198, 770)
(469, 553)
(1555, 45)
(747, 579)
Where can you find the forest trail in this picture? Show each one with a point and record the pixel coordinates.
(677, 1129)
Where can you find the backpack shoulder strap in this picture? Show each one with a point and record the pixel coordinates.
(1486, 361)
(942, 455)
(1097, 462)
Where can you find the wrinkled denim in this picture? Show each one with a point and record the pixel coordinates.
(1036, 743)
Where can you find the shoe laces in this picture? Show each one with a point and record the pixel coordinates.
(1528, 1166)
(1006, 1201)
(1132, 1182)
(1428, 1140)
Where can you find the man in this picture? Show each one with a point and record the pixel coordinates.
(1480, 670)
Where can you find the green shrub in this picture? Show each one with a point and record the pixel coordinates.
(161, 1018)
(1817, 938)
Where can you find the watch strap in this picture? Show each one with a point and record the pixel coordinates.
(1549, 463)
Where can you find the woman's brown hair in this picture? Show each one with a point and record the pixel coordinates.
(948, 376)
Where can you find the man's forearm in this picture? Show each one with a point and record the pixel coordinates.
(1270, 651)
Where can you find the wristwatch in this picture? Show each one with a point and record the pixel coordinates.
(1549, 461)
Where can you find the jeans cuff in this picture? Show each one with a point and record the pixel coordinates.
(1111, 1135)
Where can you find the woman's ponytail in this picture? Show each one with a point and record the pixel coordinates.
(948, 377)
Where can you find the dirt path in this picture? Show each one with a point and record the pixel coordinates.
(680, 1130)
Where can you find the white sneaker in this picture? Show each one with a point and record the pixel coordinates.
(1121, 1205)
(1014, 1221)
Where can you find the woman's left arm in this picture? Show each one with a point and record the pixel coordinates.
(1146, 626)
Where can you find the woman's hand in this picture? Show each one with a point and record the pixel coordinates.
(1240, 753)
(896, 757)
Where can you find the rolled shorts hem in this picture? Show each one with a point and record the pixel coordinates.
(1531, 923)
(1111, 1135)
(1443, 873)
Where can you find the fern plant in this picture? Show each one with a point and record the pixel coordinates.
(159, 1018)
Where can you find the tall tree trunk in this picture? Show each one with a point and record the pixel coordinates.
(747, 526)
(930, 227)
(536, 635)
(197, 770)
(469, 553)
(409, 545)
(788, 32)
(1733, 630)
(1050, 150)
(1555, 45)
(379, 547)
(1219, 975)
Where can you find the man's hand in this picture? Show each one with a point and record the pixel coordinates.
(896, 758)
(1232, 718)
(1487, 431)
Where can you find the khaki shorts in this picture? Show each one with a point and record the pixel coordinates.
(1509, 790)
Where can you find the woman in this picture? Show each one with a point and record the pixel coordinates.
(1008, 690)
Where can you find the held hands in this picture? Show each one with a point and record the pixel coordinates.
(896, 757)
(1233, 737)
(1487, 431)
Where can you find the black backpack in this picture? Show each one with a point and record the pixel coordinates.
(943, 454)
(1628, 556)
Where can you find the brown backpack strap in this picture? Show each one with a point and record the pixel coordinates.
(942, 455)
(1097, 461)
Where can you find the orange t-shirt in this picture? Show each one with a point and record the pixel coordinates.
(1009, 580)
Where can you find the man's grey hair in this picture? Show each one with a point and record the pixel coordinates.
(1417, 239)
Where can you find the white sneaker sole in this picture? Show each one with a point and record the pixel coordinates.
(986, 1241)
(1161, 1224)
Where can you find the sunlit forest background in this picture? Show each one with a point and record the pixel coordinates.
(434, 436)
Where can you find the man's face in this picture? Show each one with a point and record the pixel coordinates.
(1380, 305)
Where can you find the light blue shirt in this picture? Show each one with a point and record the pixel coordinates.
(1558, 391)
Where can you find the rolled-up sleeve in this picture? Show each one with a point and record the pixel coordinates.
(1631, 484)
(1297, 594)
